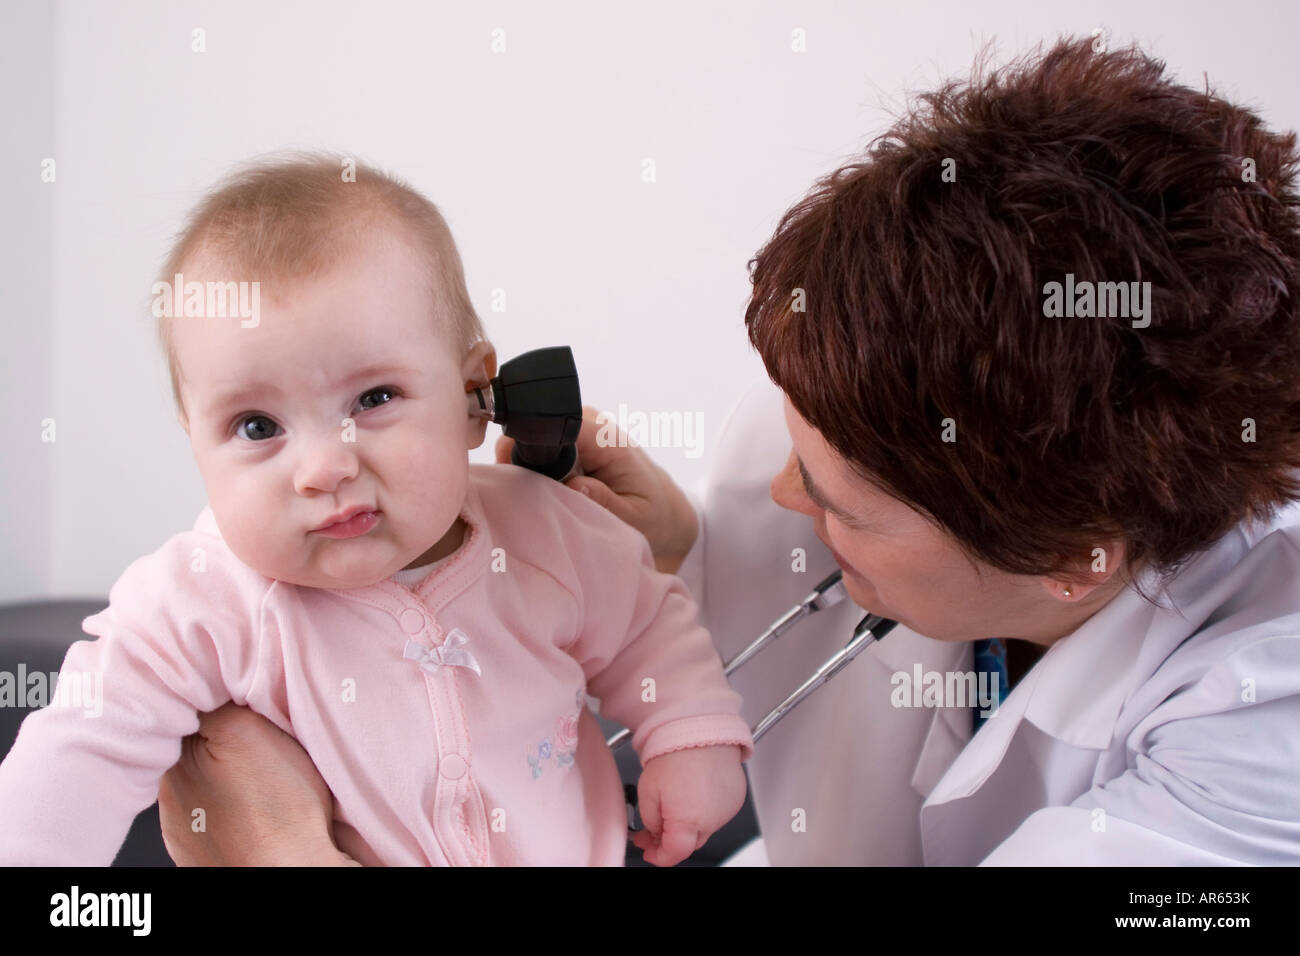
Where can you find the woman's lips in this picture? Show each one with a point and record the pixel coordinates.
(844, 565)
(836, 555)
(354, 526)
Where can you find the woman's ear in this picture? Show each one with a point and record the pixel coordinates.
(1088, 574)
(478, 370)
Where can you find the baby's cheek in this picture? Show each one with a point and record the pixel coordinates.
(438, 501)
(249, 547)
(441, 471)
(257, 539)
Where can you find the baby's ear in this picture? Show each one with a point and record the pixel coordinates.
(478, 369)
(480, 365)
(477, 431)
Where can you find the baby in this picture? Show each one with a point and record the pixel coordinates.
(426, 628)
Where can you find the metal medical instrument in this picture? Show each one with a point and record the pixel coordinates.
(828, 593)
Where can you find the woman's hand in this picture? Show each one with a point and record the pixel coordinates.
(263, 801)
(626, 482)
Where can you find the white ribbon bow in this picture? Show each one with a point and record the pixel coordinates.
(452, 653)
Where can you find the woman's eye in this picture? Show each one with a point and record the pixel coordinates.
(257, 428)
(383, 394)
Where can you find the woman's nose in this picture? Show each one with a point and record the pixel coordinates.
(326, 462)
(788, 491)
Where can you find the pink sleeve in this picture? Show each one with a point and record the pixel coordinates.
(640, 625)
(173, 641)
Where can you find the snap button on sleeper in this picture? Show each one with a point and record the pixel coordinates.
(412, 621)
(454, 766)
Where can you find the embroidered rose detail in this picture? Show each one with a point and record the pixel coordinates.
(566, 733)
(561, 747)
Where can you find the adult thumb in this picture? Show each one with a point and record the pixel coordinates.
(597, 491)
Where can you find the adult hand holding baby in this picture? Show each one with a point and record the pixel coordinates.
(623, 478)
(263, 801)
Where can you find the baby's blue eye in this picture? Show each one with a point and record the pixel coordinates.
(383, 390)
(265, 428)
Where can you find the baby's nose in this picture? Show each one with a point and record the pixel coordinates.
(326, 462)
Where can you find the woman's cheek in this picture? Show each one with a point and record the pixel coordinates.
(846, 544)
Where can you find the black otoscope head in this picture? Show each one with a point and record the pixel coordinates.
(536, 401)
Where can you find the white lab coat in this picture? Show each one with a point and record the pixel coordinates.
(1145, 737)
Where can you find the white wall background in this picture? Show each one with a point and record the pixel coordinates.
(534, 155)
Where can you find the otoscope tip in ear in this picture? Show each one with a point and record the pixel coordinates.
(479, 402)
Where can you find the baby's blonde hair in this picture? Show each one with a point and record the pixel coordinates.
(294, 214)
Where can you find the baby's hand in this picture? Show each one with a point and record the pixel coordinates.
(684, 798)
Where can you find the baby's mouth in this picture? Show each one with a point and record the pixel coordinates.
(353, 527)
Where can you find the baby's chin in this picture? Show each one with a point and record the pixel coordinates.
(341, 577)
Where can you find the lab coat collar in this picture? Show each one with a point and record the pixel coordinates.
(1086, 677)
(1076, 690)
(1074, 693)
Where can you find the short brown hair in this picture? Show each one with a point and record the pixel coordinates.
(292, 214)
(924, 301)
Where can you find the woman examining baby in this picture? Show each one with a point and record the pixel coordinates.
(1108, 495)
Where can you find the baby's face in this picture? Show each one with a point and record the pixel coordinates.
(265, 409)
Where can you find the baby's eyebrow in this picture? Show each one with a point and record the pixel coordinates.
(240, 394)
(246, 391)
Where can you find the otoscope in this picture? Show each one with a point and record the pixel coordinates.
(536, 401)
